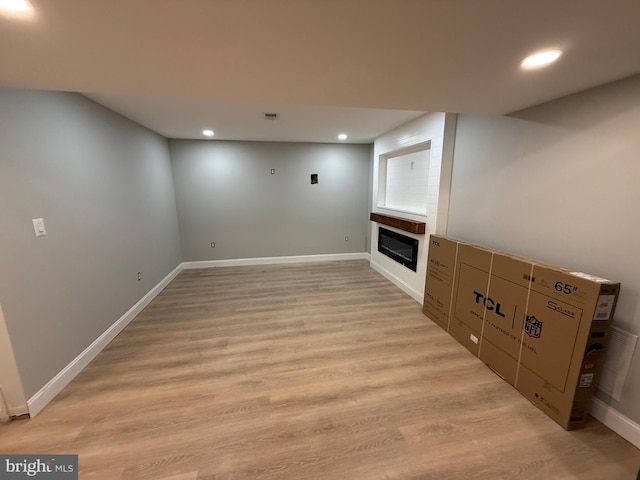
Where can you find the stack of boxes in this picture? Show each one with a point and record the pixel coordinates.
(542, 328)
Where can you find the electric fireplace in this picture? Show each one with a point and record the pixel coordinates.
(398, 247)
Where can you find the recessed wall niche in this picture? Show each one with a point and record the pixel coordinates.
(404, 179)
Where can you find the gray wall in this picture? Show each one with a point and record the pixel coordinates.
(103, 185)
(560, 183)
(226, 194)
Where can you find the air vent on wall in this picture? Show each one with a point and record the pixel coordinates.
(270, 116)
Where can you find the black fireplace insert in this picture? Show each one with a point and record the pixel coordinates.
(398, 247)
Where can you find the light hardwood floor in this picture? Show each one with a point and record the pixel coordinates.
(312, 371)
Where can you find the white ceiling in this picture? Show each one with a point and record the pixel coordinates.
(187, 117)
(178, 66)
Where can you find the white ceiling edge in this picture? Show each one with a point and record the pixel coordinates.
(373, 65)
(180, 118)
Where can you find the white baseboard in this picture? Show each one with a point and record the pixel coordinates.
(68, 373)
(401, 284)
(239, 262)
(623, 426)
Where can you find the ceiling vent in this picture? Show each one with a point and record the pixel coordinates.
(270, 116)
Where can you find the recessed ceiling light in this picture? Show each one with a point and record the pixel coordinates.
(343, 136)
(14, 5)
(208, 133)
(540, 59)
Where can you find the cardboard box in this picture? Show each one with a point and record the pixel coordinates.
(440, 275)
(542, 328)
(470, 295)
(508, 291)
(565, 335)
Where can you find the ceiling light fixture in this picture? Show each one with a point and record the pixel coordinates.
(208, 133)
(540, 59)
(14, 5)
(343, 136)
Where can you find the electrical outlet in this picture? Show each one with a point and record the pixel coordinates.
(213, 244)
(139, 276)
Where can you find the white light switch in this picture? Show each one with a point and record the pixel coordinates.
(38, 227)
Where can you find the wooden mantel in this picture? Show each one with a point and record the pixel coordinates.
(402, 223)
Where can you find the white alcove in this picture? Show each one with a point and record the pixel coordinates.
(403, 179)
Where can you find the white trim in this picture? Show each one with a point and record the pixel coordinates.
(241, 262)
(68, 373)
(401, 284)
(8, 411)
(623, 426)
(4, 410)
(17, 411)
(12, 397)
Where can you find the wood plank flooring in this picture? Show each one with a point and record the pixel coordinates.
(311, 371)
